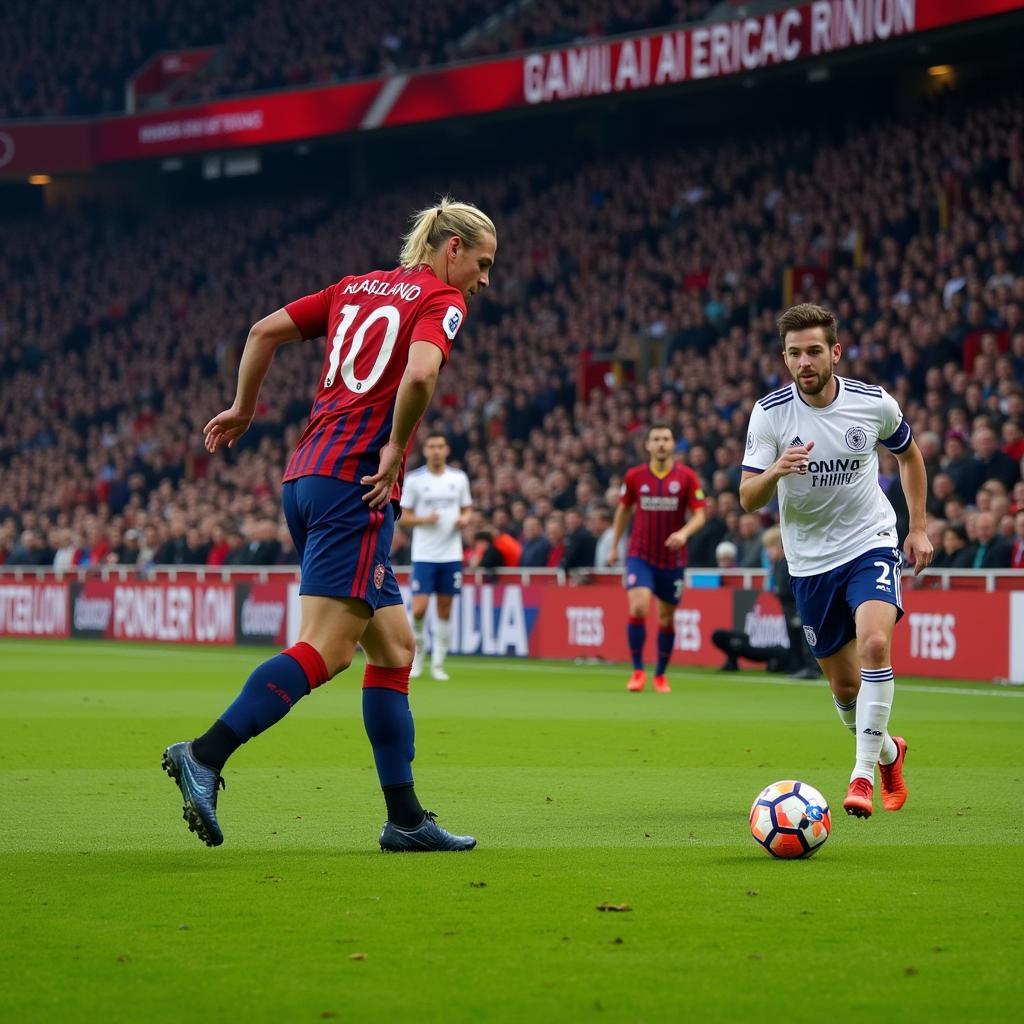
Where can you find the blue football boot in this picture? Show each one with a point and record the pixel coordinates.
(198, 785)
(427, 837)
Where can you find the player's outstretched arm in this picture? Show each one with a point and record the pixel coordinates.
(265, 337)
(914, 477)
(623, 514)
(414, 394)
(757, 489)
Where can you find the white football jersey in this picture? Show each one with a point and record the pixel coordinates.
(447, 494)
(837, 510)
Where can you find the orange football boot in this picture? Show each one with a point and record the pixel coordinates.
(661, 684)
(637, 681)
(858, 799)
(894, 789)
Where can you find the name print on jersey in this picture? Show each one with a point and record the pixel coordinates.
(374, 286)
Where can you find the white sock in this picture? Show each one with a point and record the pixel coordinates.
(877, 687)
(442, 637)
(418, 633)
(847, 713)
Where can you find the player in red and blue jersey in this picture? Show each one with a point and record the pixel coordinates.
(669, 505)
(388, 334)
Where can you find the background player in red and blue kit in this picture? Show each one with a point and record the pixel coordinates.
(669, 505)
(389, 332)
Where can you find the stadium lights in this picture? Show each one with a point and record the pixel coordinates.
(39, 179)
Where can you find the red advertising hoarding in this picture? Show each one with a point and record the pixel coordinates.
(164, 611)
(34, 608)
(582, 622)
(261, 613)
(941, 635)
(938, 637)
(647, 61)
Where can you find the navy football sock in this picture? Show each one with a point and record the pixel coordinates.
(666, 638)
(636, 633)
(268, 695)
(392, 733)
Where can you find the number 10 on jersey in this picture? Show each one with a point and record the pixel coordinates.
(349, 314)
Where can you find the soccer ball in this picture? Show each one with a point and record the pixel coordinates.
(790, 819)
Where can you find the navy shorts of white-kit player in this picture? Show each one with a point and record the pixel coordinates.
(828, 602)
(344, 545)
(437, 578)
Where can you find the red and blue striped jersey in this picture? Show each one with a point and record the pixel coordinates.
(370, 321)
(662, 507)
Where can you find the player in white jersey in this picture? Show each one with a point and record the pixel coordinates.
(815, 441)
(436, 503)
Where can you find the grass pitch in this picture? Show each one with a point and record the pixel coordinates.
(580, 794)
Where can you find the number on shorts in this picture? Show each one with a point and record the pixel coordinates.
(457, 579)
(348, 316)
(883, 576)
(677, 588)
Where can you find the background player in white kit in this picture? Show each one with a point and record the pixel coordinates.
(815, 440)
(436, 503)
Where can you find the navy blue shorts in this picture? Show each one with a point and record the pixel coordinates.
(437, 578)
(665, 584)
(827, 602)
(344, 545)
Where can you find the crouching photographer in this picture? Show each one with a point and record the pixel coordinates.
(796, 659)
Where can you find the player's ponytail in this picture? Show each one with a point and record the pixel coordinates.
(432, 227)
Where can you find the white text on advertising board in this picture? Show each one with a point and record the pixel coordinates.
(709, 51)
(687, 623)
(171, 613)
(33, 610)
(933, 636)
(586, 626)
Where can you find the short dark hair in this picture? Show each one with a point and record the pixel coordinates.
(436, 433)
(659, 426)
(805, 315)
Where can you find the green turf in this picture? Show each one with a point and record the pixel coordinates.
(579, 792)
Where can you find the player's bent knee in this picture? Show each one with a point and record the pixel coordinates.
(874, 649)
(845, 690)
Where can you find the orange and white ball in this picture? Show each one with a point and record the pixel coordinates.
(790, 819)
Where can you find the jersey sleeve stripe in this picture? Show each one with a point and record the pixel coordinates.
(863, 389)
(770, 403)
(751, 469)
(899, 440)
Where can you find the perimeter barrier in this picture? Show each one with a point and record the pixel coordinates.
(959, 624)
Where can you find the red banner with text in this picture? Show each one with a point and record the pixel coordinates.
(627, 64)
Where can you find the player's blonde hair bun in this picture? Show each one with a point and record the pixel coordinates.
(433, 226)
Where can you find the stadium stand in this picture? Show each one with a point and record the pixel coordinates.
(119, 338)
(272, 44)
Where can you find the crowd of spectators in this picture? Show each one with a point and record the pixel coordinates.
(68, 59)
(112, 360)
